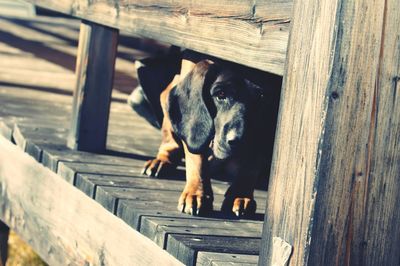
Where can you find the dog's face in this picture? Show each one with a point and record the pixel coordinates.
(213, 105)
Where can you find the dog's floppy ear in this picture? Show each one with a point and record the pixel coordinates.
(189, 106)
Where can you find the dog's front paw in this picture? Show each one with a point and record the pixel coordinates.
(241, 207)
(194, 201)
(158, 168)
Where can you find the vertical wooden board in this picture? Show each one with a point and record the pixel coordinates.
(338, 136)
(95, 73)
(382, 232)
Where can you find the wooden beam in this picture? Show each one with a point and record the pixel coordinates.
(249, 32)
(334, 191)
(95, 73)
(61, 223)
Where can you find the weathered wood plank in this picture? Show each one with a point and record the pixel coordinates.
(16, 8)
(158, 228)
(109, 196)
(46, 224)
(69, 170)
(5, 130)
(186, 247)
(225, 259)
(337, 201)
(95, 73)
(212, 27)
(53, 154)
(132, 211)
(89, 182)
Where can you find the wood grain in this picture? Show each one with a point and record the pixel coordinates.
(95, 75)
(225, 259)
(253, 33)
(186, 247)
(55, 220)
(5, 130)
(158, 228)
(334, 190)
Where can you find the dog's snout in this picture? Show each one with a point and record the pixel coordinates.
(232, 138)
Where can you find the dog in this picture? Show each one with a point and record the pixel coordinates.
(218, 119)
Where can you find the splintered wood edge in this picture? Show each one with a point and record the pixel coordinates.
(281, 251)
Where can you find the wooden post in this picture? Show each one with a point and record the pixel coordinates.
(95, 72)
(334, 192)
(4, 232)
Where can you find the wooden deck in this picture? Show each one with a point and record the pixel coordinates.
(37, 62)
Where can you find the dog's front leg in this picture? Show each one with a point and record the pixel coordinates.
(169, 154)
(197, 196)
(239, 198)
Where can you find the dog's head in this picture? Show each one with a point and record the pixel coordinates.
(213, 105)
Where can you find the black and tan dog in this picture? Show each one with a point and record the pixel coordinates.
(216, 113)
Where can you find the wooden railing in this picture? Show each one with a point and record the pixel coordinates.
(241, 31)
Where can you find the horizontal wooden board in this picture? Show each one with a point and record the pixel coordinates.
(132, 211)
(186, 247)
(253, 33)
(225, 259)
(158, 228)
(89, 182)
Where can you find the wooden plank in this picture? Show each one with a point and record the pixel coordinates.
(36, 135)
(95, 73)
(211, 27)
(4, 233)
(47, 222)
(225, 259)
(274, 9)
(186, 247)
(89, 182)
(337, 201)
(69, 170)
(16, 8)
(132, 211)
(108, 197)
(5, 130)
(158, 228)
(53, 154)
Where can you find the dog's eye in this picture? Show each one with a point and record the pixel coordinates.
(221, 95)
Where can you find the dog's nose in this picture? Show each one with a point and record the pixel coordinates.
(232, 138)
